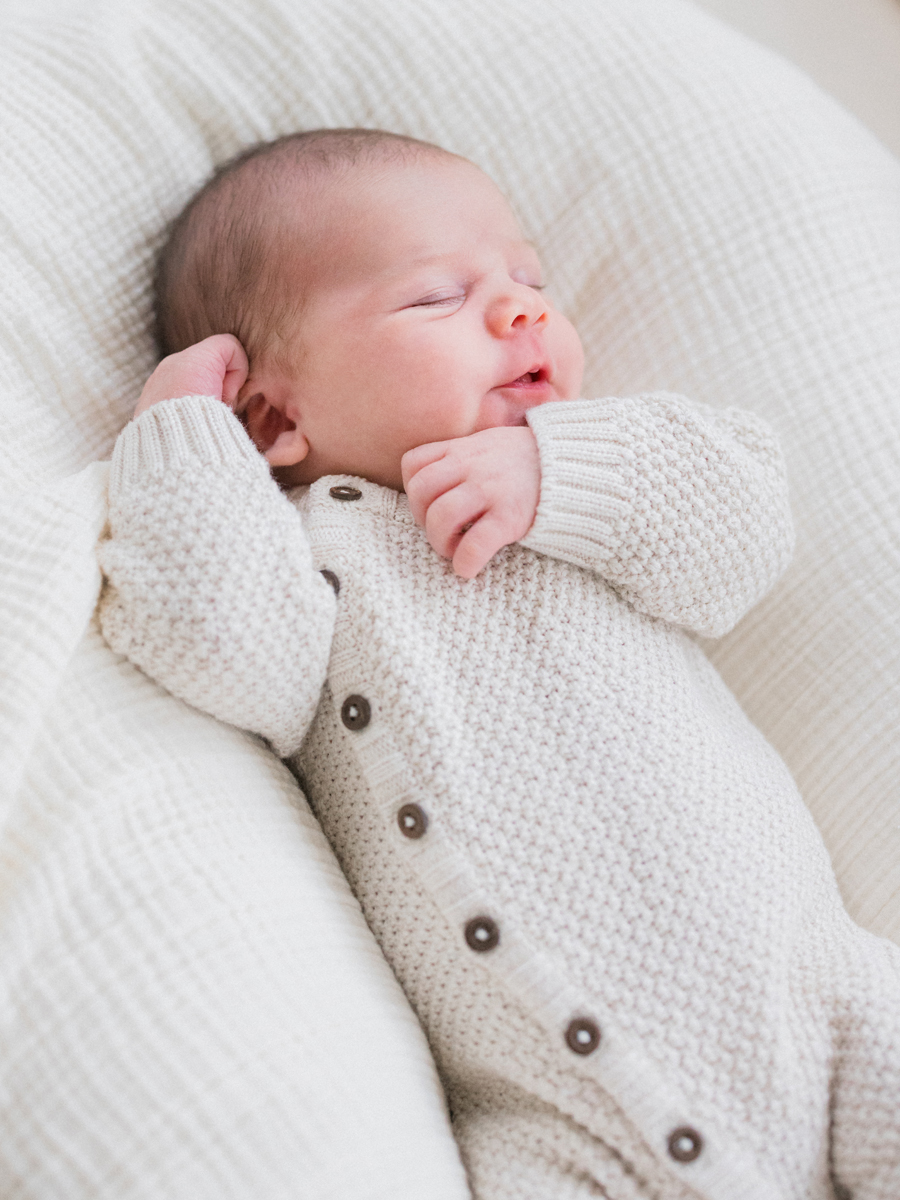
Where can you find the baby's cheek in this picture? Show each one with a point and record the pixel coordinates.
(568, 355)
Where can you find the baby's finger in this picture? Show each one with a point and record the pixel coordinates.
(479, 545)
(449, 517)
(236, 367)
(420, 456)
(430, 482)
(204, 369)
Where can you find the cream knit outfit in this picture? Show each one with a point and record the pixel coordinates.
(585, 788)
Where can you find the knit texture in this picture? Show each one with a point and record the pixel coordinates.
(701, 241)
(713, 225)
(589, 784)
(189, 639)
(651, 493)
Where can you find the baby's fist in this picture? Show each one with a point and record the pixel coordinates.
(217, 366)
(474, 494)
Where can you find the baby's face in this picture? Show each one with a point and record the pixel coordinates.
(424, 320)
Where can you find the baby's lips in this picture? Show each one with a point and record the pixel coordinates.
(535, 376)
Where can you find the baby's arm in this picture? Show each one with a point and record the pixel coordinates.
(211, 588)
(682, 508)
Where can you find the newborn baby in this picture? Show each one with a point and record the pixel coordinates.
(593, 877)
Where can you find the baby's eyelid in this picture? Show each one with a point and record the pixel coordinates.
(526, 277)
(445, 298)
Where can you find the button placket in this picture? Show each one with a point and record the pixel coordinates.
(579, 1030)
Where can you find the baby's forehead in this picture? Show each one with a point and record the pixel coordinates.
(396, 214)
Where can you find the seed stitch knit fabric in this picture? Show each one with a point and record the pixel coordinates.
(590, 788)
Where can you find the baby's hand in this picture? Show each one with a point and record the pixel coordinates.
(217, 366)
(474, 495)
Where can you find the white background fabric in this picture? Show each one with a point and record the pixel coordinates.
(711, 222)
(850, 47)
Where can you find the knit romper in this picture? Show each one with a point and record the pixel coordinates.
(593, 877)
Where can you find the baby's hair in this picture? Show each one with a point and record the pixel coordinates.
(222, 267)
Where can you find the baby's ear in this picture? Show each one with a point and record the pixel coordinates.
(272, 432)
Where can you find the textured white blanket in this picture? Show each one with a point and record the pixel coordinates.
(191, 1006)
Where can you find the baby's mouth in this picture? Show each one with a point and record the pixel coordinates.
(539, 375)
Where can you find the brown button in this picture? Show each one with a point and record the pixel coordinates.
(412, 820)
(356, 712)
(343, 491)
(333, 580)
(685, 1144)
(482, 934)
(583, 1035)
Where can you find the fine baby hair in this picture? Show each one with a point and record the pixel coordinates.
(221, 268)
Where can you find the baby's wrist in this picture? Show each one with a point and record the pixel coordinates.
(189, 431)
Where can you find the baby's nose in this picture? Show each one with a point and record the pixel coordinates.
(520, 308)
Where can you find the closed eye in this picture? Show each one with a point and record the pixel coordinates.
(438, 301)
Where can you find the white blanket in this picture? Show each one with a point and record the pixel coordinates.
(191, 1005)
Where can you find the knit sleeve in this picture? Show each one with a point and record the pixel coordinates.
(682, 508)
(210, 583)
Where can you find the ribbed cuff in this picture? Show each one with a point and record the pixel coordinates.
(191, 429)
(586, 496)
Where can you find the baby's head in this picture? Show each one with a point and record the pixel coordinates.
(384, 294)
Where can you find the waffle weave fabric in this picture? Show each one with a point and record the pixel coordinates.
(701, 242)
(588, 793)
(191, 1004)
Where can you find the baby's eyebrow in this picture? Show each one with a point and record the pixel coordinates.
(425, 260)
(429, 259)
(398, 271)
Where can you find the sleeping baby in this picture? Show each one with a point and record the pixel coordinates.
(464, 617)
